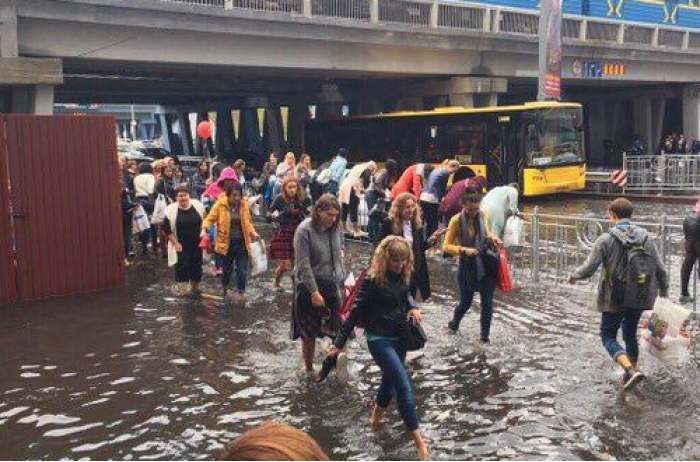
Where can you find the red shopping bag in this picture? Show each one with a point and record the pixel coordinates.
(205, 244)
(350, 300)
(505, 283)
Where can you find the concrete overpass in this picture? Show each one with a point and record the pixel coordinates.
(371, 55)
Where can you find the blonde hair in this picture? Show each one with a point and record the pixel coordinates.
(391, 248)
(396, 212)
(274, 441)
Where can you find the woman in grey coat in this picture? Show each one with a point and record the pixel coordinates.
(319, 276)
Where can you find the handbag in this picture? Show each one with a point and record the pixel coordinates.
(491, 257)
(352, 296)
(412, 335)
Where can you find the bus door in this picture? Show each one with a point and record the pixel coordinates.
(496, 155)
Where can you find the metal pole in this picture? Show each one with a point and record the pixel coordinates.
(536, 244)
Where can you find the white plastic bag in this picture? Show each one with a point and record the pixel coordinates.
(362, 212)
(258, 258)
(513, 232)
(663, 334)
(140, 221)
(159, 210)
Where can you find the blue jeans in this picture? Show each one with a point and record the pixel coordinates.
(466, 296)
(609, 325)
(390, 356)
(238, 256)
(331, 188)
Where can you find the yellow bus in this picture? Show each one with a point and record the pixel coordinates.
(537, 145)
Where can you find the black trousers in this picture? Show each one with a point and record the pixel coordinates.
(189, 265)
(432, 217)
(351, 208)
(692, 254)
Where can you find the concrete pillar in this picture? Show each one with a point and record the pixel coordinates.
(413, 103)
(691, 112)
(658, 112)
(465, 100)
(225, 137)
(643, 122)
(8, 29)
(329, 110)
(249, 134)
(36, 99)
(597, 131)
(273, 136)
(298, 115)
(485, 99)
(166, 129)
(200, 145)
(185, 132)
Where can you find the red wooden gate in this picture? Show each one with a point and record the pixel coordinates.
(65, 196)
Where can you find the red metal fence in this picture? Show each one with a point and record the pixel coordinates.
(64, 191)
(8, 281)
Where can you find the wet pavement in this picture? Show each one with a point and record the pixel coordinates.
(144, 374)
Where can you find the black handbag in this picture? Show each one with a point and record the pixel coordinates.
(412, 335)
(491, 257)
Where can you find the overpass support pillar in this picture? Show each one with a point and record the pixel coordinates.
(225, 136)
(414, 103)
(183, 121)
(37, 99)
(643, 122)
(198, 143)
(691, 112)
(249, 138)
(298, 115)
(273, 130)
(465, 100)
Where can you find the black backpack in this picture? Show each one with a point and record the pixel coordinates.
(634, 279)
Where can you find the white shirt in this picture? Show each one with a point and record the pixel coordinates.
(408, 232)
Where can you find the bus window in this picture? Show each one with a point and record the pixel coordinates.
(404, 142)
(446, 141)
(553, 136)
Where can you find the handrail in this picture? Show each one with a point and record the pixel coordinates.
(437, 17)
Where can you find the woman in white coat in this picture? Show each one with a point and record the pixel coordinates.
(352, 186)
(183, 222)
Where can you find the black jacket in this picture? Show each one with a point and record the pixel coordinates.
(382, 310)
(420, 280)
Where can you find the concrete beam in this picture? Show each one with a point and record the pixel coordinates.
(30, 71)
(8, 29)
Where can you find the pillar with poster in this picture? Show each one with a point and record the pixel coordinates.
(550, 52)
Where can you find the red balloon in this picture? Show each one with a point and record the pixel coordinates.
(204, 130)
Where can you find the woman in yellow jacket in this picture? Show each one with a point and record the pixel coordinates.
(234, 234)
(467, 238)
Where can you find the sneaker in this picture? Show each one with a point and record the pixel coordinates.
(452, 326)
(685, 299)
(342, 368)
(484, 340)
(631, 378)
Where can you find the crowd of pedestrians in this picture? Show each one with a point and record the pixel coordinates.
(409, 214)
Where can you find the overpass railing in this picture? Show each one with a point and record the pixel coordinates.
(663, 173)
(455, 15)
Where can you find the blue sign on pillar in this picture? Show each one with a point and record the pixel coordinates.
(593, 69)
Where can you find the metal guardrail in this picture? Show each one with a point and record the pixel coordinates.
(668, 172)
(455, 15)
(555, 245)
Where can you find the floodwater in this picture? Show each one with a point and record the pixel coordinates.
(144, 374)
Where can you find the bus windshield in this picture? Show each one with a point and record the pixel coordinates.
(553, 137)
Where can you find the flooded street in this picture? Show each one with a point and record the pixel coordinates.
(144, 374)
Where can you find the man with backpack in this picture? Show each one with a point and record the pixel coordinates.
(633, 276)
